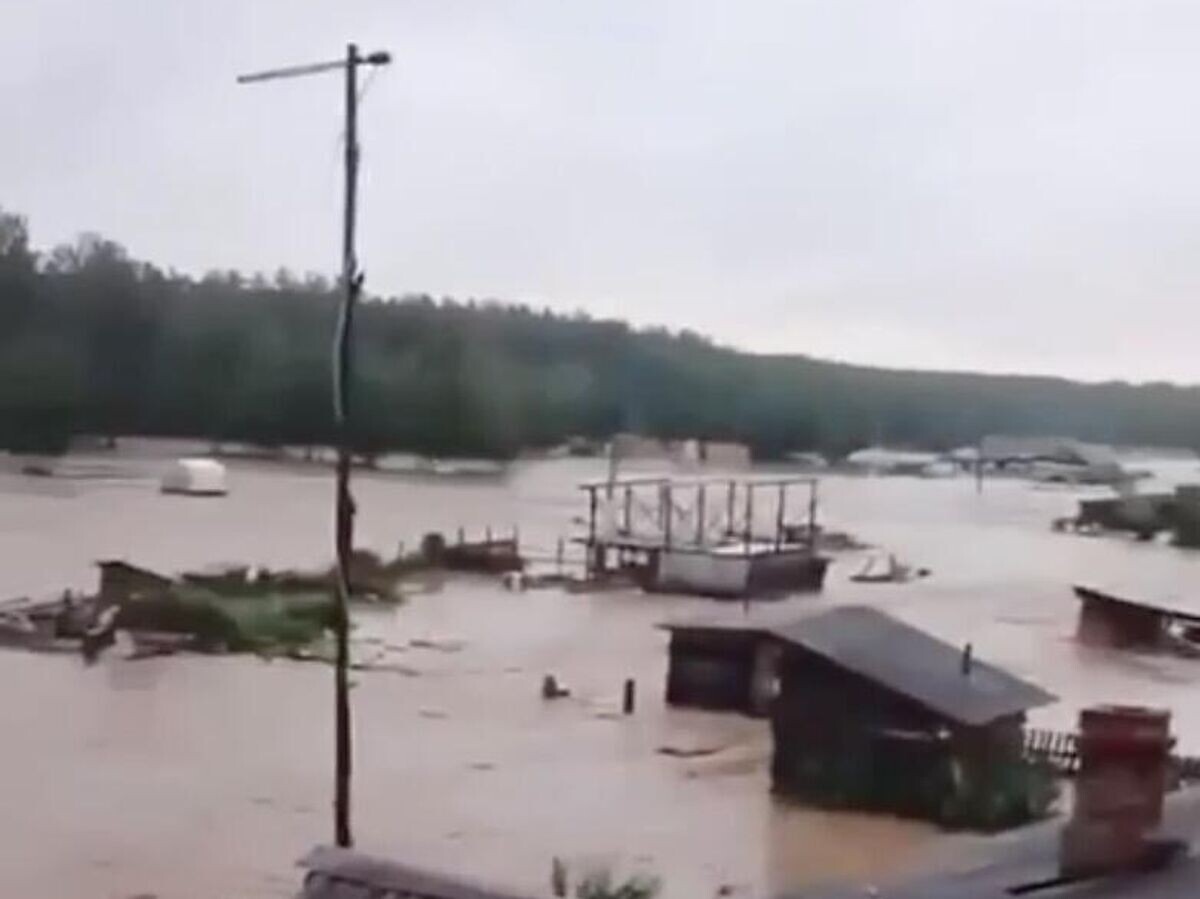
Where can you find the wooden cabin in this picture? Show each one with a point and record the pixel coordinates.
(872, 713)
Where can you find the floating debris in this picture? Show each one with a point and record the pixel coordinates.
(894, 572)
(685, 752)
(439, 645)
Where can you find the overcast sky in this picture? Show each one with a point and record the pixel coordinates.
(1003, 186)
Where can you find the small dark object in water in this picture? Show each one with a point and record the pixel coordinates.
(678, 752)
(552, 689)
(629, 696)
(558, 878)
(893, 573)
(439, 645)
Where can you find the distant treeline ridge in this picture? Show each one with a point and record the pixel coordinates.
(92, 341)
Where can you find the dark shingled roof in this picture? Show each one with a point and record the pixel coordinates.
(910, 662)
(345, 874)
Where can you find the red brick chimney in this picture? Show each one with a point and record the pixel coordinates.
(1124, 756)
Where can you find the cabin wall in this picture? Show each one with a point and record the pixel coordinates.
(765, 675)
(1104, 623)
(712, 669)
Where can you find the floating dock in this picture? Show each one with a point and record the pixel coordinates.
(705, 536)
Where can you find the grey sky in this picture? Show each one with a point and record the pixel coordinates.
(1007, 186)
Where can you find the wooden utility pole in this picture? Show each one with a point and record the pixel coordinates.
(342, 375)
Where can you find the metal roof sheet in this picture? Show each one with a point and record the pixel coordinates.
(346, 874)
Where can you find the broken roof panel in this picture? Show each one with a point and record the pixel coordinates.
(345, 874)
(914, 664)
(1169, 603)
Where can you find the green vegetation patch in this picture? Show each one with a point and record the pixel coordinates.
(264, 622)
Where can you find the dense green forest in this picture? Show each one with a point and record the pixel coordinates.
(92, 341)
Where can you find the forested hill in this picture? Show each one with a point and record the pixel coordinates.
(92, 341)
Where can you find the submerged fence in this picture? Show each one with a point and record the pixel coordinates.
(1060, 749)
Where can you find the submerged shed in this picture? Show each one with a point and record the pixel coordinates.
(874, 713)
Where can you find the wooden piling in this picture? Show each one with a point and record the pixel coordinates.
(629, 697)
(812, 515)
(779, 510)
(668, 510)
(730, 500)
(748, 532)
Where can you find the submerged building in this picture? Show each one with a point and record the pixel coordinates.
(875, 714)
(868, 712)
(1124, 837)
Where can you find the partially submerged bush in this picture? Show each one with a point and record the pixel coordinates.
(236, 624)
(211, 627)
(601, 884)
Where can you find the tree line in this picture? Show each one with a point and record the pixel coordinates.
(95, 342)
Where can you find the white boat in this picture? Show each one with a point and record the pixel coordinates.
(195, 477)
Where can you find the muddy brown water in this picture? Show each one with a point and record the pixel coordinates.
(208, 777)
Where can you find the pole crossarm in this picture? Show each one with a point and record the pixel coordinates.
(378, 58)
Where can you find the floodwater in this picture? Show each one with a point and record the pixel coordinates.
(208, 777)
